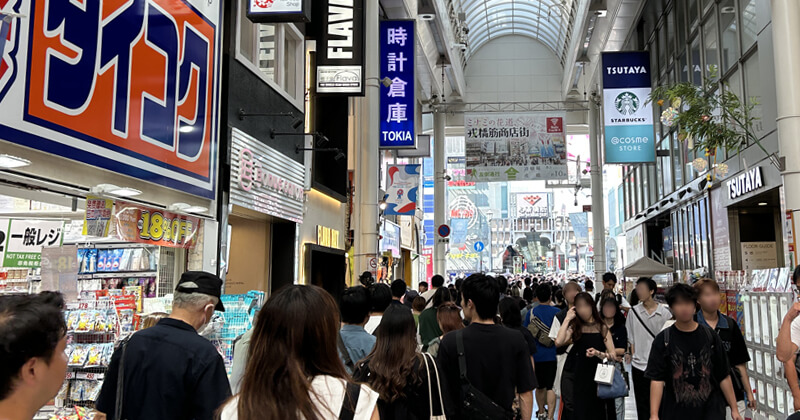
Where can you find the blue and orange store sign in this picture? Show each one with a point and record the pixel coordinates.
(126, 85)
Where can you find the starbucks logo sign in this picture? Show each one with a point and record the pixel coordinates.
(627, 103)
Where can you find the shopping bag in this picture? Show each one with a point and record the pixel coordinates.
(605, 373)
(618, 388)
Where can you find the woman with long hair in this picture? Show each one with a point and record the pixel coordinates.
(294, 371)
(588, 335)
(614, 320)
(398, 371)
(448, 315)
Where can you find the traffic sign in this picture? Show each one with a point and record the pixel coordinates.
(444, 231)
(373, 263)
(479, 247)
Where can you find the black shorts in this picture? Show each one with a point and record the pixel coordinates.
(546, 374)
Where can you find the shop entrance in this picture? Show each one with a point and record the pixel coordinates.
(326, 268)
(248, 268)
(757, 223)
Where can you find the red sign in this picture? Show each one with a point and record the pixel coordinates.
(555, 125)
(155, 227)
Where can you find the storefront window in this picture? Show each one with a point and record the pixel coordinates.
(676, 160)
(680, 20)
(274, 52)
(665, 167)
(689, 241)
(692, 14)
(697, 63)
(710, 44)
(704, 233)
(663, 52)
(684, 68)
(671, 31)
(645, 186)
(747, 11)
(730, 34)
(752, 93)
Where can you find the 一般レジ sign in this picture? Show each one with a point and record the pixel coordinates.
(141, 224)
(265, 180)
(628, 116)
(130, 87)
(515, 147)
(397, 43)
(266, 11)
(402, 191)
(26, 238)
(340, 49)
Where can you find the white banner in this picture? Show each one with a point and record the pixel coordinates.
(515, 147)
(533, 205)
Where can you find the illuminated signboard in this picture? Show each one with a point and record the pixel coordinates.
(397, 100)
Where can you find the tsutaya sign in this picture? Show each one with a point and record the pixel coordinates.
(130, 87)
(629, 135)
(265, 180)
(340, 50)
(745, 183)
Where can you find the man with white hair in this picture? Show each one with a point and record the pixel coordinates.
(169, 371)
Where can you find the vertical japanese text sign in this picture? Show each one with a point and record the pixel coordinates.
(628, 116)
(127, 86)
(397, 100)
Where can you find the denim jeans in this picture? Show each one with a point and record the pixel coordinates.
(620, 408)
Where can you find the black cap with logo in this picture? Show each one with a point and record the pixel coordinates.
(202, 282)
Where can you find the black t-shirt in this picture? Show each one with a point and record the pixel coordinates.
(498, 364)
(619, 334)
(735, 348)
(692, 368)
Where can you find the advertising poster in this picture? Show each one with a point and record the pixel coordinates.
(634, 244)
(26, 238)
(628, 116)
(98, 216)
(155, 227)
(533, 205)
(458, 238)
(402, 191)
(580, 225)
(515, 147)
(390, 241)
(398, 99)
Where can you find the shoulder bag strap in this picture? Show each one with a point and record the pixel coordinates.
(462, 359)
(430, 384)
(642, 322)
(350, 402)
(438, 385)
(120, 379)
(342, 349)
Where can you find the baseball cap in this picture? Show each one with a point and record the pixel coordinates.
(202, 282)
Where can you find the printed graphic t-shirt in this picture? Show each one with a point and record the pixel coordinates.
(692, 368)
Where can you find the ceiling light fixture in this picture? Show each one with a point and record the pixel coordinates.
(763, 203)
(186, 208)
(111, 189)
(11, 162)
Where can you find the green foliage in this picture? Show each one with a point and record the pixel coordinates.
(712, 120)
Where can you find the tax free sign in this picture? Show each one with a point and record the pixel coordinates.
(628, 116)
(397, 100)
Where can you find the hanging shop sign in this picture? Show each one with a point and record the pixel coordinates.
(98, 216)
(398, 102)
(628, 116)
(265, 180)
(267, 11)
(745, 183)
(26, 238)
(145, 225)
(515, 147)
(390, 238)
(130, 87)
(533, 205)
(340, 49)
(580, 225)
(634, 244)
(328, 237)
(406, 232)
(402, 191)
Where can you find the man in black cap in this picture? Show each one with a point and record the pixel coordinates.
(169, 371)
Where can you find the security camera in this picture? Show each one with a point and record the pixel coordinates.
(461, 46)
(447, 178)
(386, 82)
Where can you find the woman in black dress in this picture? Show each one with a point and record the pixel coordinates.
(397, 370)
(591, 343)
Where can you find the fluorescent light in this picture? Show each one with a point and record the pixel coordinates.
(186, 129)
(112, 189)
(186, 208)
(197, 209)
(11, 162)
(763, 203)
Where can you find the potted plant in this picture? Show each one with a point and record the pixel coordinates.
(708, 121)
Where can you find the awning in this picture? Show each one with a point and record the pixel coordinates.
(645, 267)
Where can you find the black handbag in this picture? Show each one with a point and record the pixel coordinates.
(475, 405)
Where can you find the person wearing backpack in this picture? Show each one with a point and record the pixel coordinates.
(688, 366)
(484, 366)
(538, 322)
(732, 340)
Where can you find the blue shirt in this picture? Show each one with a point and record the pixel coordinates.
(545, 313)
(358, 342)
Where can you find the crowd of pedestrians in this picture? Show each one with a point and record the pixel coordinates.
(481, 348)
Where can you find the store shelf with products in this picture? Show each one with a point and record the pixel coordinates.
(758, 300)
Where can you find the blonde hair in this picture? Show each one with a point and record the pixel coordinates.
(152, 319)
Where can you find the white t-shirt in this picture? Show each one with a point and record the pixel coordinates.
(796, 332)
(561, 359)
(327, 394)
(372, 323)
